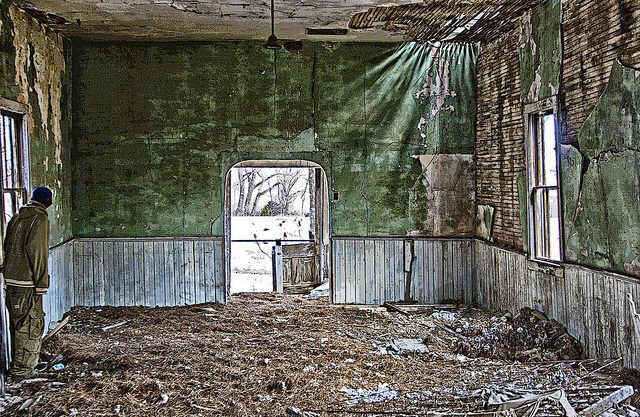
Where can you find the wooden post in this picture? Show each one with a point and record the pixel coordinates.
(278, 285)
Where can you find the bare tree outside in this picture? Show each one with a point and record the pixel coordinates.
(269, 191)
(250, 185)
(267, 204)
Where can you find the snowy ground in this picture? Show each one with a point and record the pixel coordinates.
(251, 261)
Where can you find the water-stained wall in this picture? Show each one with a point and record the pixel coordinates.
(35, 71)
(157, 126)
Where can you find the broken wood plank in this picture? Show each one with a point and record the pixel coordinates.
(608, 402)
(113, 326)
(452, 332)
(56, 329)
(392, 307)
(606, 365)
(416, 308)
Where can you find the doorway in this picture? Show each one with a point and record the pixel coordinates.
(277, 225)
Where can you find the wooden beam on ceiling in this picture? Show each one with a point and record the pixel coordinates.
(446, 20)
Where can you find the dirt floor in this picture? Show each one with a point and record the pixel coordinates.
(279, 355)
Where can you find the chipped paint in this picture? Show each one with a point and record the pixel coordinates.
(32, 41)
(526, 33)
(439, 96)
(421, 125)
(534, 91)
(35, 75)
(541, 51)
(633, 267)
(438, 85)
(485, 215)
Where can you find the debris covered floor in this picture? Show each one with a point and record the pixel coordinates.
(261, 355)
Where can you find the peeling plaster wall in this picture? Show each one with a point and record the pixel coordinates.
(523, 66)
(595, 34)
(35, 70)
(601, 134)
(157, 126)
(602, 201)
(568, 47)
(541, 52)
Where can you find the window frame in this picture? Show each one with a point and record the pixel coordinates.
(20, 113)
(532, 113)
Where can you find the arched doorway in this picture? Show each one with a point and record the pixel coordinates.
(276, 226)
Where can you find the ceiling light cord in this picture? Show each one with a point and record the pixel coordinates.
(272, 42)
(272, 20)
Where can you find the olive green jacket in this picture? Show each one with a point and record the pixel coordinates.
(26, 248)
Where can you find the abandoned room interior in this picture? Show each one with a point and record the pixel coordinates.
(437, 165)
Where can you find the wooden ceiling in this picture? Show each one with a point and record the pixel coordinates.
(446, 20)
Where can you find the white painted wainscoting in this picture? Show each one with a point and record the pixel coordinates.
(375, 270)
(134, 272)
(592, 304)
(170, 272)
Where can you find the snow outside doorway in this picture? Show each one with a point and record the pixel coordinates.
(267, 204)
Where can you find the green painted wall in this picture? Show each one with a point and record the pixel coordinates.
(601, 186)
(35, 66)
(157, 126)
(8, 87)
(541, 51)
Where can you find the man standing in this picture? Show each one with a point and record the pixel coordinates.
(26, 250)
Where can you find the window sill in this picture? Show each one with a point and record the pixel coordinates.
(546, 267)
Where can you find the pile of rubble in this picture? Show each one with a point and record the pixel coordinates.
(280, 355)
(528, 336)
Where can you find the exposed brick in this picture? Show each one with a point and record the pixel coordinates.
(500, 153)
(595, 34)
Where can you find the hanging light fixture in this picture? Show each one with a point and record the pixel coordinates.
(272, 42)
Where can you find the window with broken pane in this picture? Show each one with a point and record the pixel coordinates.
(13, 185)
(544, 193)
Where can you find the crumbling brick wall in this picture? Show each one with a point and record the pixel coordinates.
(500, 152)
(595, 34)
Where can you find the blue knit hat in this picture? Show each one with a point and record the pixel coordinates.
(42, 195)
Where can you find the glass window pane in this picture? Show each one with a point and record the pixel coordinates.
(545, 206)
(553, 235)
(6, 146)
(539, 222)
(550, 161)
(15, 162)
(10, 152)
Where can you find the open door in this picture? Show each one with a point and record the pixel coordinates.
(299, 268)
(304, 265)
(277, 205)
